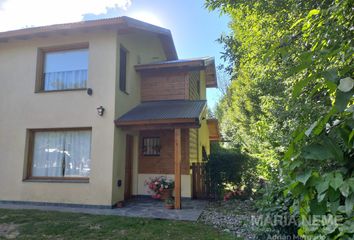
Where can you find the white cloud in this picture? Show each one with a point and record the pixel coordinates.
(15, 14)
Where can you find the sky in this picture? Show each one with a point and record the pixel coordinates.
(194, 28)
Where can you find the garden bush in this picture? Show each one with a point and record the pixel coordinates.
(230, 170)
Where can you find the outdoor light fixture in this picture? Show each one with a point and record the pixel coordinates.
(100, 111)
(89, 91)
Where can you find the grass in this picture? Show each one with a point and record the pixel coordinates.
(34, 224)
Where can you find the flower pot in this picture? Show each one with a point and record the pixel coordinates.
(120, 204)
(165, 194)
(169, 206)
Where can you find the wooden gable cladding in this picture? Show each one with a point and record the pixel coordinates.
(211, 80)
(213, 127)
(164, 164)
(194, 85)
(193, 145)
(157, 86)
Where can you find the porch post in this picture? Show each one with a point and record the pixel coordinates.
(177, 168)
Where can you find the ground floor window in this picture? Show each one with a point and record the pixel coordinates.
(60, 153)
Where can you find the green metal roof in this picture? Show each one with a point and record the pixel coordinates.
(164, 110)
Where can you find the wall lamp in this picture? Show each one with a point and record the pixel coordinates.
(100, 111)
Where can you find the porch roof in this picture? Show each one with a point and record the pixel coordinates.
(169, 112)
(202, 63)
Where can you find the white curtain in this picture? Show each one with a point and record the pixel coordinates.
(77, 145)
(54, 150)
(65, 80)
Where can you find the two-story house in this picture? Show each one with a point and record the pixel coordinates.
(90, 110)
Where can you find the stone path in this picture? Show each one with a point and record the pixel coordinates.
(234, 216)
(146, 208)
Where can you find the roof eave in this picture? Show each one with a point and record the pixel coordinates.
(211, 81)
(212, 85)
(159, 123)
(119, 23)
(195, 64)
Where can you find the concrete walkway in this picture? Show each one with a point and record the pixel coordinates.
(145, 208)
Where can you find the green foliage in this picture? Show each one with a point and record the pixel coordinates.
(291, 102)
(276, 205)
(230, 167)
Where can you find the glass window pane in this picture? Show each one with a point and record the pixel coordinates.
(61, 154)
(48, 154)
(65, 69)
(123, 69)
(78, 150)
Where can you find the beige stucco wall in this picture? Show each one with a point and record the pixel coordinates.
(22, 109)
(202, 85)
(142, 48)
(203, 131)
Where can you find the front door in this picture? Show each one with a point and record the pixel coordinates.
(128, 167)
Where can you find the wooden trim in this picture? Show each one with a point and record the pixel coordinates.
(66, 47)
(118, 24)
(186, 64)
(30, 153)
(64, 90)
(39, 71)
(39, 84)
(60, 129)
(58, 179)
(177, 158)
(158, 69)
(31, 133)
(158, 121)
(159, 126)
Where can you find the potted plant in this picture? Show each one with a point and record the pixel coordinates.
(169, 203)
(160, 187)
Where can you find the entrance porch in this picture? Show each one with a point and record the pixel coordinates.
(164, 146)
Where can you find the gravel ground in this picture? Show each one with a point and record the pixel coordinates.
(234, 216)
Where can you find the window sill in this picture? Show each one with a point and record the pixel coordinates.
(57, 180)
(63, 90)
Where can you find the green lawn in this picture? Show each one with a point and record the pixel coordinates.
(33, 224)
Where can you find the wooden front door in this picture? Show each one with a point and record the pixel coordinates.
(128, 167)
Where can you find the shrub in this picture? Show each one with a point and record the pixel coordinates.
(275, 206)
(230, 168)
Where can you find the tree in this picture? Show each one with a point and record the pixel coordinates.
(291, 100)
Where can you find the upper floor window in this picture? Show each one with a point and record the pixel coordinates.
(123, 69)
(63, 68)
